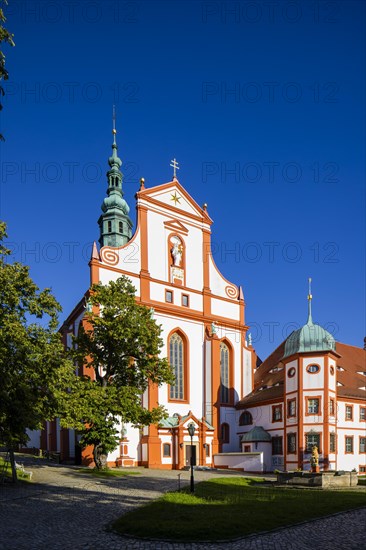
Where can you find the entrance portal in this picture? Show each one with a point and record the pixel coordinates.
(191, 451)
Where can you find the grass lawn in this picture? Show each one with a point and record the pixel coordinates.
(112, 472)
(224, 508)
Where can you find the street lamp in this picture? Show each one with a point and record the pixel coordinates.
(191, 430)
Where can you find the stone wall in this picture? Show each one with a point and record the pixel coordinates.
(321, 479)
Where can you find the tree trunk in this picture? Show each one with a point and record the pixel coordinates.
(100, 458)
(13, 467)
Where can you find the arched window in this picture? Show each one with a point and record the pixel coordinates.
(120, 227)
(224, 373)
(166, 449)
(225, 433)
(245, 419)
(176, 356)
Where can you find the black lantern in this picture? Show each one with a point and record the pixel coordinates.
(191, 430)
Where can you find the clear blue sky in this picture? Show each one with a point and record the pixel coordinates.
(261, 103)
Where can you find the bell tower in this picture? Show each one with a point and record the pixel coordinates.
(114, 223)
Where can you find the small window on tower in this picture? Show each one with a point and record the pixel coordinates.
(120, 227)
(331, 407)
(311, 439)
(109, 227)
(291, 443)
(291, 407)
(185, 300)
(313, 369)
(313, 406)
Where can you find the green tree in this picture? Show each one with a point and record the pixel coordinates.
(34, 371)
(7, 37)
(121, 344)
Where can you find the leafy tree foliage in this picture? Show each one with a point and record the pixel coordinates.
(120, 343)
(7, 37)
(34, 371)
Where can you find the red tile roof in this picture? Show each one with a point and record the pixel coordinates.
(353, 361)
(269, 376)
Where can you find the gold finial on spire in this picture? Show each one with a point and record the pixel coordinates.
(310, 296)
(114, 131)
(142, 184)
(174, 165)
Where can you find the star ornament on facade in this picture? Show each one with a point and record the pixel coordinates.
(175, 198)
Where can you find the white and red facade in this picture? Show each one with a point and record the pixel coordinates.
(300, 400)
(310, 399)
(199, 310)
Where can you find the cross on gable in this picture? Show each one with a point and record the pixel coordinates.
(174, 164)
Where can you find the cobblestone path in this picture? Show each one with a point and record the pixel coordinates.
(64, 509)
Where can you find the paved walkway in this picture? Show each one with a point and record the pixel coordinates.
(63, 509)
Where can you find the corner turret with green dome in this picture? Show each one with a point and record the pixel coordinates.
(115, 224)
(311, 337)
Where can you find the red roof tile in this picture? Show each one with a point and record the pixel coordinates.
(269, 376)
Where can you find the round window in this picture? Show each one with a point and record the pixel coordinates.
(332, 370)
(313, 368)
(291, 372)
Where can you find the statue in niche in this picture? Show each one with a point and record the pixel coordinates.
(177, 252)
(214, 328)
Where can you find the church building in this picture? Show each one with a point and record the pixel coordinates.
(247, 414)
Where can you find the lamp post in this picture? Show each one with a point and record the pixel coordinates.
(191, 430)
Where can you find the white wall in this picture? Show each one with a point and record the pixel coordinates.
(313, 380)
(248, 462)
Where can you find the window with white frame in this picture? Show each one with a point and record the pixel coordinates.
(312, 438)
(291, 443)
(349, 443)
(276, 413)
(277, 448)
(313, 405)
(332, 443)
(349, 412)
(166, 450)
(291, 407)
